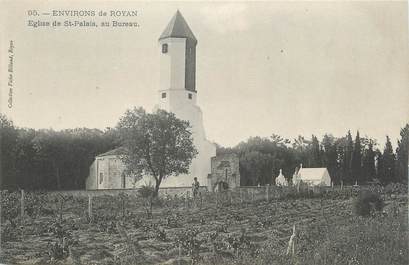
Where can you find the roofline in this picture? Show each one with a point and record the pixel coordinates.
(102, 155)
(179, 37)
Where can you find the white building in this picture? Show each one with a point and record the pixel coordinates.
(312, 176)
(107, 172)
(280, 180)
(178, 94)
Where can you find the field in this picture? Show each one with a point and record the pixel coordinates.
(123, 229)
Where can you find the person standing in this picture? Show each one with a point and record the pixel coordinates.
(195, 187)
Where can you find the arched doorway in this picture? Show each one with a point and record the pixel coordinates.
(221, 186)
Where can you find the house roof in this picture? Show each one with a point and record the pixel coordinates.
(312, 173)
(178, 28)
(116, 151)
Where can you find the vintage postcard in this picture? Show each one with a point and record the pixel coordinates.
(211, 132)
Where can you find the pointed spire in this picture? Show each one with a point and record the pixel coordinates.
(178, 28)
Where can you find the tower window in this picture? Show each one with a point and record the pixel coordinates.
(164, 48)
(163, 95)
(189, 96)
(101, 177)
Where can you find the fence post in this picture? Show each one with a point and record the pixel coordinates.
(231, 197)
(241, 196)
(267, 191)
(22, 204)
(252, 195)
(291, 243)
(22, 213)
(179, 253)
(90, 207)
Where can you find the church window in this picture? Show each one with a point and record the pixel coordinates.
(190, 96)
(164, 48)
(163, 95)
(101, 177)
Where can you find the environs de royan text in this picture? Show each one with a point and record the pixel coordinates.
(93, 13)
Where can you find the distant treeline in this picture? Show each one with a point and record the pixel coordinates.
(51, 160)
(348, 161)
(48, 159)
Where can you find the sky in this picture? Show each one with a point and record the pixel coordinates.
(288, 68)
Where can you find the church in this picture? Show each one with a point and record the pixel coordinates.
(178, 94)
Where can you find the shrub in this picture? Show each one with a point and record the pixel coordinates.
(58, 247)
(10, 207)
(367, 202)
(188, 240)
(147, 192)
(396, 188)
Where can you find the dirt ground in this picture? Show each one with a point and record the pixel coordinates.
(174, 234)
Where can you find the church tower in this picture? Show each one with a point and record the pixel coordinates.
(178, 94)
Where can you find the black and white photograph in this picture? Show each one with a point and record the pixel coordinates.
(204, 132)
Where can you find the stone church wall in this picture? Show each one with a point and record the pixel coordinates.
(225, 168)
(106, 172)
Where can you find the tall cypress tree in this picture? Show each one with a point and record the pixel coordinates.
(349, 147)
(340, 149)
(387, 169)
(402, 155)
(315, 153)
(379, 165)
(368, 168)
(330, 156)
(356, 161)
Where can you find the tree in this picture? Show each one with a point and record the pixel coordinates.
(221, 150)
(8, 144)
(301, 151)
(27, 175)
(85, 145)
(348, 149)
(257, 168)
(387, 169)
(261, 159)
(277, 140)
(356, 160)
(368, 167)
(315, 157)
(402, 155)
(157, 144)
(330, 156)
(52, 151)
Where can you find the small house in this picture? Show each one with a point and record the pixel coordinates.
(107, 172)
(312, 176)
